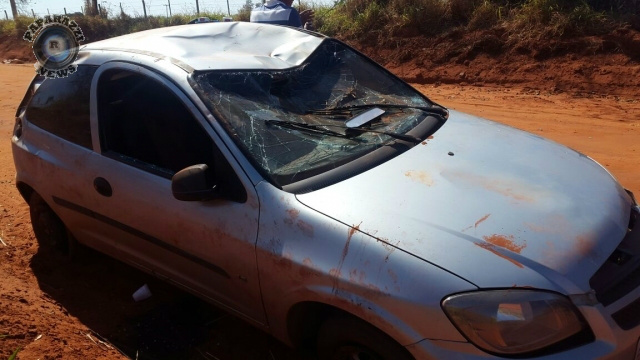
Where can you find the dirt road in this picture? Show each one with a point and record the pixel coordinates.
(53, 308)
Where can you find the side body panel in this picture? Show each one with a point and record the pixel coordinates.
(305, 256)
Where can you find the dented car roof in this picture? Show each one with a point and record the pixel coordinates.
(220, 46)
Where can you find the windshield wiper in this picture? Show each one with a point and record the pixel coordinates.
(409, 138)
(350, 132)
(346, 110)
(313, 129)
(354, 124)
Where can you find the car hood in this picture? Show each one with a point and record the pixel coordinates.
(489, 203)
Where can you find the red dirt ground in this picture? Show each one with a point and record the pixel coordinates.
(54, 308)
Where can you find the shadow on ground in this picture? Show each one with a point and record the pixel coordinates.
(170, 325)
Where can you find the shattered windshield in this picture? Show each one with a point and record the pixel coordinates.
(292, 123)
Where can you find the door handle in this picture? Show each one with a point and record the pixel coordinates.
(102, 186)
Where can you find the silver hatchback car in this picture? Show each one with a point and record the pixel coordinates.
(289, 179)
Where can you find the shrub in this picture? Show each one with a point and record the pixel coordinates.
(461, 11)
(95, 27)
(427, 17)
(350, 18)
(21, 24)
(485, 16)
(537, 12)
(548, 19)
(587, 20)
(369, 19)
(7, 27)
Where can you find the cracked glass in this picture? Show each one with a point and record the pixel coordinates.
(269, 113)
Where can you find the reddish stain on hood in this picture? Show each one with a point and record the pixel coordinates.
(353, 231)
(505, 242)
(482, 219)
(419, 176)
(293, 213)
(306, 228)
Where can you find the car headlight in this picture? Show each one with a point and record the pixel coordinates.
(518, 321)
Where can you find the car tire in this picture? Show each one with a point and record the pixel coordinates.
(348, 338)
(47, 226)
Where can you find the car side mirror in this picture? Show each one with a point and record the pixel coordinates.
(194, 183)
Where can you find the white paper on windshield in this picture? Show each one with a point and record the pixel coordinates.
(364, 118)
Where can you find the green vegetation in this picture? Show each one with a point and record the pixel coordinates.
(102, 27)
(357, 19)
(379, 19)
(15, 353)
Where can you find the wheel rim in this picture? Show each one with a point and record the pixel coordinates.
(355, 352)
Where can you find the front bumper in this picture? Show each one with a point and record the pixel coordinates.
(611, 342)
(615, 325)
(621, 348)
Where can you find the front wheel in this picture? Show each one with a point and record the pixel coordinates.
(347, 338)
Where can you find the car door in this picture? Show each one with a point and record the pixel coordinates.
(147, 131)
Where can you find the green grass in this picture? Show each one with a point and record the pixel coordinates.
(359, 18)
(98, 28)
(15, 353)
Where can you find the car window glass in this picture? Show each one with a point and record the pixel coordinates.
(248, 102)
(144, 124)
(61, 106)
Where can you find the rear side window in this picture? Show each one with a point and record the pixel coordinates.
(35, 83)
(61, 106)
